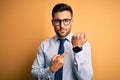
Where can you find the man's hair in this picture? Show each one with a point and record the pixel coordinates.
(60, 8)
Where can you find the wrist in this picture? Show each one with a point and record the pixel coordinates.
(77, 49)
(51, 69)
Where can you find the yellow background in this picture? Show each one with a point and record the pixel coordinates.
(24, 24)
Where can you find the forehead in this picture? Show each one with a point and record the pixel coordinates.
(62, 15)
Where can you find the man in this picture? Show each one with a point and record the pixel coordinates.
(64, 56)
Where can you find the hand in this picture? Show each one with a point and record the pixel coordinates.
(79, 39)
(57, 62)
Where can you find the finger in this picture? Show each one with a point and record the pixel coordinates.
(82, 35)
(79, 34)
(85, 37)
(63, 55)
(75, 35)
(55, 56)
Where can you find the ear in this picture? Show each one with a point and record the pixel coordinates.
(72, 20)
(52, 22)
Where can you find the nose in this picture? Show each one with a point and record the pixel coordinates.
(61, 24)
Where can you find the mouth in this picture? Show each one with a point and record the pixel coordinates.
(61, 31)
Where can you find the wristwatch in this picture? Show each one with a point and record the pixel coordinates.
(77, 49)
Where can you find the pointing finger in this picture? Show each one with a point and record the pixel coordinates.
(63, 55)
(55, 56)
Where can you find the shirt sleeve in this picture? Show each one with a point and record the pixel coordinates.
(39, 71)
(83, 64)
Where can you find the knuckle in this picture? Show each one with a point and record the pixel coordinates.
(61, 63)
(73, 36)
(57, 60)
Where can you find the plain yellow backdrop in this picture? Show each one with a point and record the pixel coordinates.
(24, 24)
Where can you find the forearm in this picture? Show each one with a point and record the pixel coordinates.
(82, 64)
(39, 69)
(41, 73)
(83, 70)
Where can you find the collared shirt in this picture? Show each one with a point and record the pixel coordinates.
(77, 66)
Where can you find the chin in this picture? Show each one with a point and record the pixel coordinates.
(62, 35)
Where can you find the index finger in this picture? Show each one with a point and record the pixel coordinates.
(55, 56)
(63, 55)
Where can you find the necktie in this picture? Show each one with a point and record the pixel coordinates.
(58, 74)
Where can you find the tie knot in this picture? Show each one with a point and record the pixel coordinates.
(62, 41)
(61, 47)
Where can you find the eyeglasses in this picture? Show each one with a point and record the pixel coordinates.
(57, 22)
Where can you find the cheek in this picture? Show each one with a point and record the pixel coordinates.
(56, 28)
(69, 27)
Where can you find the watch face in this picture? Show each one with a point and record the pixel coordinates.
(77, 49)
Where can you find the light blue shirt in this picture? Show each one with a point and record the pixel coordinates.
(77, 66)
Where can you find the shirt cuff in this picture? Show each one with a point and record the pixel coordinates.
(49, 74)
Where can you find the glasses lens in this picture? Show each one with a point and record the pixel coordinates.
(56, 22)
(66, 21)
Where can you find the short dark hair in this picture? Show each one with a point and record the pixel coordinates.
(61, 7)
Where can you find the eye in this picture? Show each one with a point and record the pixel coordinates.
(66, 20)
(56, 21)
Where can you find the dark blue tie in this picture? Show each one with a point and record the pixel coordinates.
(58, 74)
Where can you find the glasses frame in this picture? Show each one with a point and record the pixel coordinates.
(60, 21)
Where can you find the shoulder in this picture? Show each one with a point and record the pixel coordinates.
(47, 42)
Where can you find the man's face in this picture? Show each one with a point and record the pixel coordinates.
(62, 23)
